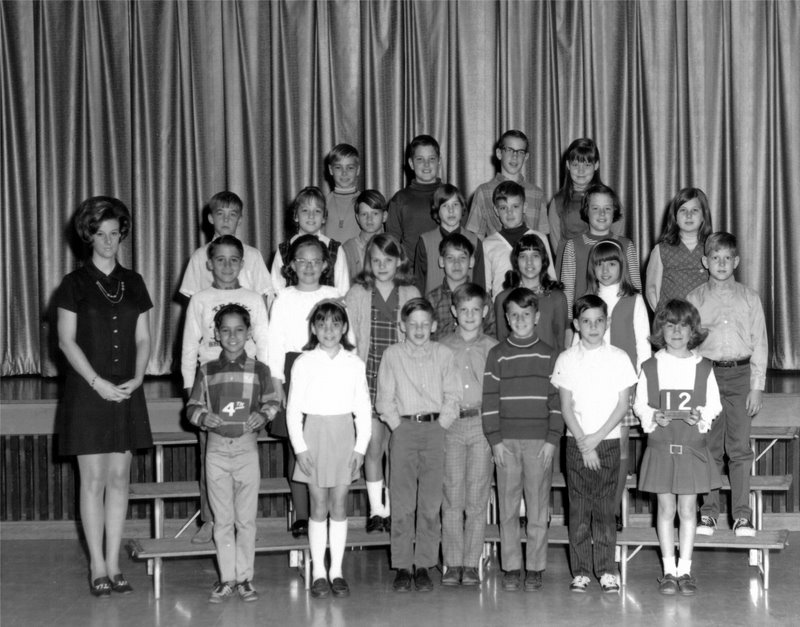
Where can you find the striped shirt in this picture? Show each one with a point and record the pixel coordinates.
(243, 378)
(519, 402)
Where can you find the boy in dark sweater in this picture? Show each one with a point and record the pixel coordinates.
(522, 421)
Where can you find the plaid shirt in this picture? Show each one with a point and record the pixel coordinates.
(243, 378)
(440, 298)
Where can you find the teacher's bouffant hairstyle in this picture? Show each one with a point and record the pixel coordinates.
(96, 210)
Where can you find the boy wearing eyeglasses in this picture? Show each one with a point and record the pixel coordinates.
(410, 208)
(512, 154)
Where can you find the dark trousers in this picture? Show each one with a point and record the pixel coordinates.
(730, 433)
(416, 457)
(592, 508)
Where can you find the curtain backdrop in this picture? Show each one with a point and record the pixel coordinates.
(162, 104)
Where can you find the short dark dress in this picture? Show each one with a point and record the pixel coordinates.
(106, 333)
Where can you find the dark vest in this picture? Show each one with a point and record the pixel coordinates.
(701, 374)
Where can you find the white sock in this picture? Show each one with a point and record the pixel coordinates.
(684, 566)
(669, 566)
(317, 541)
(523, 510)
(338, 533)
(374, 493)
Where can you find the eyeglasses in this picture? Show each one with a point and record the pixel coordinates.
(511, 152)
(313, 264)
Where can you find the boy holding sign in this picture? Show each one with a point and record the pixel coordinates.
(232, 399)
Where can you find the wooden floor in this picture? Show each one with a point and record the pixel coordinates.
(44, 583)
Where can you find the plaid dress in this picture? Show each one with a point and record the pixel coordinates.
(382, 334)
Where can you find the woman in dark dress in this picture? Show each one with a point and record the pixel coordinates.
(103, 331)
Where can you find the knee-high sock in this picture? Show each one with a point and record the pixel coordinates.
(338, 533)
(374, 494)
(317, 540)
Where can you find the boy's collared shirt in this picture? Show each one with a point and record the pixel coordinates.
(441, 299)
(595, 377)
(418, 379)
(737, 329)
(483, 220)
(243, 378)
(254, 275)
(470, 360)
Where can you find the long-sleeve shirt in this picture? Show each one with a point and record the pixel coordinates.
(254, 274)
(519, 402)
(243, 379)
(410, 214)
(199, 343)
(734, 317)
(676, 373)
(470, 359)
(497, 259)
(288, 327)
(418, 379)
(341, 275)
(484, 221)
(327, 386)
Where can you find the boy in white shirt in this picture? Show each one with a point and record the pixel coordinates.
(594, 381)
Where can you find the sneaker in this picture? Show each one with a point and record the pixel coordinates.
(204, 534)
(422, 580)
(707, 526)
(120, 584)
(246, 591)
(533, 580)
(470, 577)
(579, 583)
(100, 588)
(453, 576)
(222, 592)
(687, 585)
(609, 583)
(511, 580)
(618, 521)
(374, 524)
(743, 527)
(402, 581)
(668, 585)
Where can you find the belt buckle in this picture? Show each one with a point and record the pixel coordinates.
(417, 417)
(675, 449)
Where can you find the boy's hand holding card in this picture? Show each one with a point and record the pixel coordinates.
(234, 413)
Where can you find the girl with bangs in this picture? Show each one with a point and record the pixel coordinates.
(373, 305)
(607, 276)
(530, 263)
(677, 398)
(328, 389)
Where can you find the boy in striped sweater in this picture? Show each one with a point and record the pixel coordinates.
(522, 421)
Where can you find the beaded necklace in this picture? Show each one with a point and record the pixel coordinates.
(114, 298)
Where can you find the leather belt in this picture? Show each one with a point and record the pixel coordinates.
(420, 417)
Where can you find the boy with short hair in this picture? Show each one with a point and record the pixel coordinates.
(737, 347)
(456, 259)
(509, 206)
(512, 154)
(410, 208)
(225, 257)
(225, 213)
(594, 381)
(447, 210)
(233, 398)
(370, 214)
(342, 163)
(418, 395)
(467, 456)
(523, 424)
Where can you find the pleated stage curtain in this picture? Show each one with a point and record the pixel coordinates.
(162, 104)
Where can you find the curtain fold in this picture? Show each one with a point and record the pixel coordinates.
(163, 104)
